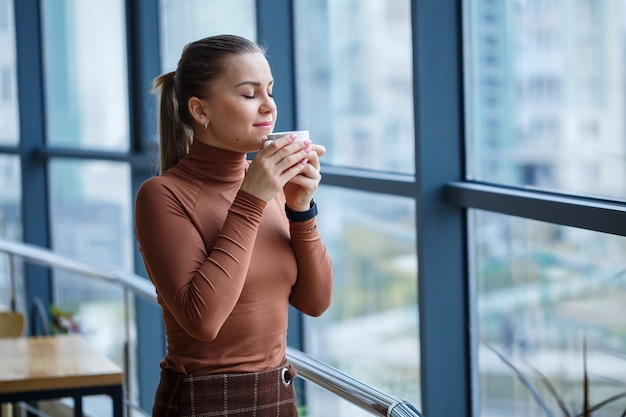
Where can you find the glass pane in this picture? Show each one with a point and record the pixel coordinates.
(545, 96)
(543, 291)
(9, 125)
(371, 330)
(10, 198)
(10, 229)
(355, 81)
(184, 21)
(86, 74)
(90, 217)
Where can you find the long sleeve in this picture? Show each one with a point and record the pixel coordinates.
(200, 284)
(312, 292)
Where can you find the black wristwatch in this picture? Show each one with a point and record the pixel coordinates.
(301, 216)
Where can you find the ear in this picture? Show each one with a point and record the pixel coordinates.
(197, 110)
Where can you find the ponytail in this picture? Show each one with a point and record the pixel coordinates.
(174, 136)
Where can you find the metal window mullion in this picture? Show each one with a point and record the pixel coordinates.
(144, 64)
(442, 237)
(4, 149)
(275, 32)
(373, 183)
(31, 104)
(583, 212)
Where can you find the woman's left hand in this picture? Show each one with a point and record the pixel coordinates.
(300, 189)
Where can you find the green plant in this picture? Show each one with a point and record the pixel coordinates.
(62, 321)
(587, 408)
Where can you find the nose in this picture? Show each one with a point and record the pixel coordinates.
(268, 105)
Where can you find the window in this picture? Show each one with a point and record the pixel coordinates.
(90, 219)
(10, 229)
(86, 76)
(10, 169)
(354, 93)
(89, 212)
(371, 329)
(565, 87)
(9, 130)
(544, 291)
(184, 21)
(10, 217)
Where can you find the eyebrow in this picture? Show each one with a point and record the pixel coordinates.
(254, 83)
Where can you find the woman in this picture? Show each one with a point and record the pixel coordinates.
(229, 243)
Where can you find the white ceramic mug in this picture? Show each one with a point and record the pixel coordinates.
(302, 135)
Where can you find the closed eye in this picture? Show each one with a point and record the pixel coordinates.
(257, 85)
(254, 95)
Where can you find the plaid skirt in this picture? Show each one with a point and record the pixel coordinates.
(259, 394)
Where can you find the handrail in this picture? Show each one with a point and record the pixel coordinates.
(45, 257)
(356, 392)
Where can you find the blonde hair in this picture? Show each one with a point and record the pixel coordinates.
(201, 63)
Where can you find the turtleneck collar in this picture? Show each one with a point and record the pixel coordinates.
(215, 163)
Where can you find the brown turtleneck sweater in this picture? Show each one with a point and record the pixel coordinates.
(226, 265)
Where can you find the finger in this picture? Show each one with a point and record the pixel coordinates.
(320, 150)
(314, 160)
(279, 142)
(290, 154)
(310, 173)
(285, 145)
(304, 186)
(293, 171)
(293, 154)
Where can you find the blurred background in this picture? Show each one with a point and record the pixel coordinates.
(436, 302)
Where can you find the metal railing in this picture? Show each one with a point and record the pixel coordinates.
(369, 398)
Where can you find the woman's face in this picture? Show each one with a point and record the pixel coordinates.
(240, 108)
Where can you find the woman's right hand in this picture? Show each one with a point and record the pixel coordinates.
(274, 166)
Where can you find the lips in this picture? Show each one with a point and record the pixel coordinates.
(264, 125)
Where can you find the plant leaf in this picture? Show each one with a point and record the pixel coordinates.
(552, 390)
(524, 381)
(601, 404)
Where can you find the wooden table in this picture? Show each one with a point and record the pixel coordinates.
(37, 368)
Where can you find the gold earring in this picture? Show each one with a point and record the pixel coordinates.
(206, 125)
